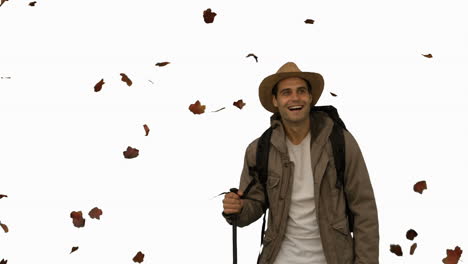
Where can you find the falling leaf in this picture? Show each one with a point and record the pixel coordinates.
(309, 21)
(411, 234)
(420, 186)
(95, 213)
(73, 249)
(33, 3)
(98, 85)
(147, 130)
(126, 79)
(219, 109)
(427, 55)
(396, 249)
(78, 220)
(197, 108)
(208, 16)
(333, 94)
(161, 64)
(3, 195)
(4, 261)
(2, 1)
(131, 153)
(5, 227)
(452, 256)
(413, 248)
(239, 104)
(253, 55)
(139, 257)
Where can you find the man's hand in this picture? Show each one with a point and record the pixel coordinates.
(232, 203)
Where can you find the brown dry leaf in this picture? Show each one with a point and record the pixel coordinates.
(5, 227)
(126, 79)
(139, 257)
(99, 85)
(197, 108)
(420, 186)
(73, 249)
(396, 249)
(411, 234)
(413, 248)
(2, 1)
(253, 55)
(333, 94)
(161, 64)
(239, 104)
(147, 130)
(208, 16)
(4, 261)
(95, 213)
(78, 220)
(3, 195)
(222, 108)
(309, 21)
(131, 153)
(427, 55)
(453, 256)
(33, 3)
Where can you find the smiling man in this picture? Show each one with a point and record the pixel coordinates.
(292, 98)
(307, 219)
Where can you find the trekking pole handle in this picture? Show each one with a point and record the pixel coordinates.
(234, 216)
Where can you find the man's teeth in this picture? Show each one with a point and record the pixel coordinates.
(295, 107)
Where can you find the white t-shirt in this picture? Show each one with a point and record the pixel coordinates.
(301, 244)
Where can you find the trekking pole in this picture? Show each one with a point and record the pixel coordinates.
(234, 232)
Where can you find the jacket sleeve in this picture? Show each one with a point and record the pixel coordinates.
(362, 204)
(255, 198)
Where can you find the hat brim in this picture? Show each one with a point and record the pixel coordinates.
(266, 86)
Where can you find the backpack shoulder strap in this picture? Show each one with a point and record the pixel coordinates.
(261, 167)
(337, 140)
(338, 145)
(339, 150)
(263, 150)
(261, 163)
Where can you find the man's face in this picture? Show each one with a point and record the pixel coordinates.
(293, 100)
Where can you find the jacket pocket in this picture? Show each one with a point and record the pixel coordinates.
(267, 247)
(341, 226)
(273, 180)
(344, 245)
(273, 187)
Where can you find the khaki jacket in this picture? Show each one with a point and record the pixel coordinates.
(338, 244)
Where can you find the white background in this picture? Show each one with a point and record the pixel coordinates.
(62, 143)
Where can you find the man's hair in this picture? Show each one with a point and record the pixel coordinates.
(274, 91)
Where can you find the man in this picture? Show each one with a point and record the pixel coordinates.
(307, 220)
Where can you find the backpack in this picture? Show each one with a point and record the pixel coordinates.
(338, 146)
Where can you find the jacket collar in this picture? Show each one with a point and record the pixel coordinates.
(320, 128)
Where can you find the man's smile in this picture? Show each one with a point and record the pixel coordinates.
(295, 108)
